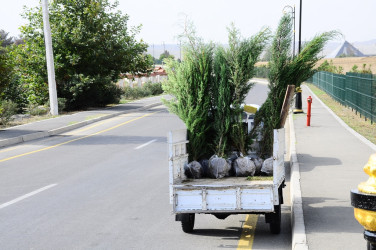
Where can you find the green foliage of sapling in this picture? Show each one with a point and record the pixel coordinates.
(286, 70)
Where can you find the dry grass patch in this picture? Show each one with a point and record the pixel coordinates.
(359, 124)
(348, 62)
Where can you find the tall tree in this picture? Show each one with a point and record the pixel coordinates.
(5, 69)
(4, 39)
(92, 45)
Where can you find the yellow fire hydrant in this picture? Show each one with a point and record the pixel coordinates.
(364, 202)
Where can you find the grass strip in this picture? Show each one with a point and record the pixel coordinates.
(359, 124)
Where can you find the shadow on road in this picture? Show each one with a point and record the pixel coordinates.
(308, 162)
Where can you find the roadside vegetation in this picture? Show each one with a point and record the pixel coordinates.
(148, 89)
(92, 44)
(329, 66)
(360, 125)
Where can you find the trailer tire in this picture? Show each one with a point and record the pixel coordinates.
(275, 224)
(188, 223)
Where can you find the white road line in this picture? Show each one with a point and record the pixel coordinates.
(144, 145)
(26, 196)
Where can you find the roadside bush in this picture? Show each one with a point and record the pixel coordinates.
(16, 93)
(82, 91)
(330, 67)
(153, 88)
(364, 70)
(7, 110)
(262, 71)
(61, 102)
(149, 89)
(35, 109)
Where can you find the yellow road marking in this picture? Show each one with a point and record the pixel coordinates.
(83, 137)
(248, 233)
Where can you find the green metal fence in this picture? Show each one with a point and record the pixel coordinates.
(354, 90)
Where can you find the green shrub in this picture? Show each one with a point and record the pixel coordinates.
(82, 91)
(364, 70)
(61, 102)
(153, 88)
(7, 110)
(329, 67)
(35, 109)
(262, 71)
(149, 89)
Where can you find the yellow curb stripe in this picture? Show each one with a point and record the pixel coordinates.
(248, 233)
(83, 137)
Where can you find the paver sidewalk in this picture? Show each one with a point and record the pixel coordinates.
(65, 123)
(331, 163)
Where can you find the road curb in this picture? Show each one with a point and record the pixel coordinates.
(299, 238)
(44, 134)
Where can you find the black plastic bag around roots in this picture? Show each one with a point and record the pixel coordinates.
(243, 167)
(194, 170)
(218, 167)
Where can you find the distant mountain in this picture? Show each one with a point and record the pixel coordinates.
(367, 47)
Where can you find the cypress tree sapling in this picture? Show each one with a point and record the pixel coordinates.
(189, 83)
(285, 70)
(222, 100)
(242, 56)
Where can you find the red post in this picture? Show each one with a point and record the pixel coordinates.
(309, 102)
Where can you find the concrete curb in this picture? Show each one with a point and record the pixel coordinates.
(43, 134)
(352, 131)
(299, 238)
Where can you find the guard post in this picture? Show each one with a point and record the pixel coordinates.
(363, 200)
(298, 101)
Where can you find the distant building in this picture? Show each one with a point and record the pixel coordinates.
(156, 76)
(345, 50)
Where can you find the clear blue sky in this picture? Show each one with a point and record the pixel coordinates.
(161, 19)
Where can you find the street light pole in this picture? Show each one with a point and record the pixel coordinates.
(50, 60)
(298, 96)
(300, 26)
(293, 16)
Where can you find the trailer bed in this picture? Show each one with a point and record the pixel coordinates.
(227, 195)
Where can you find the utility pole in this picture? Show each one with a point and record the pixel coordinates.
(153, 57)
(164, 50)
(50, 60)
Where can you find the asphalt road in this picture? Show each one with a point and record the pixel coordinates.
(105, 186)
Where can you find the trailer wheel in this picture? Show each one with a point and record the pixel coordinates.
(188, 223)
(275, 224)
